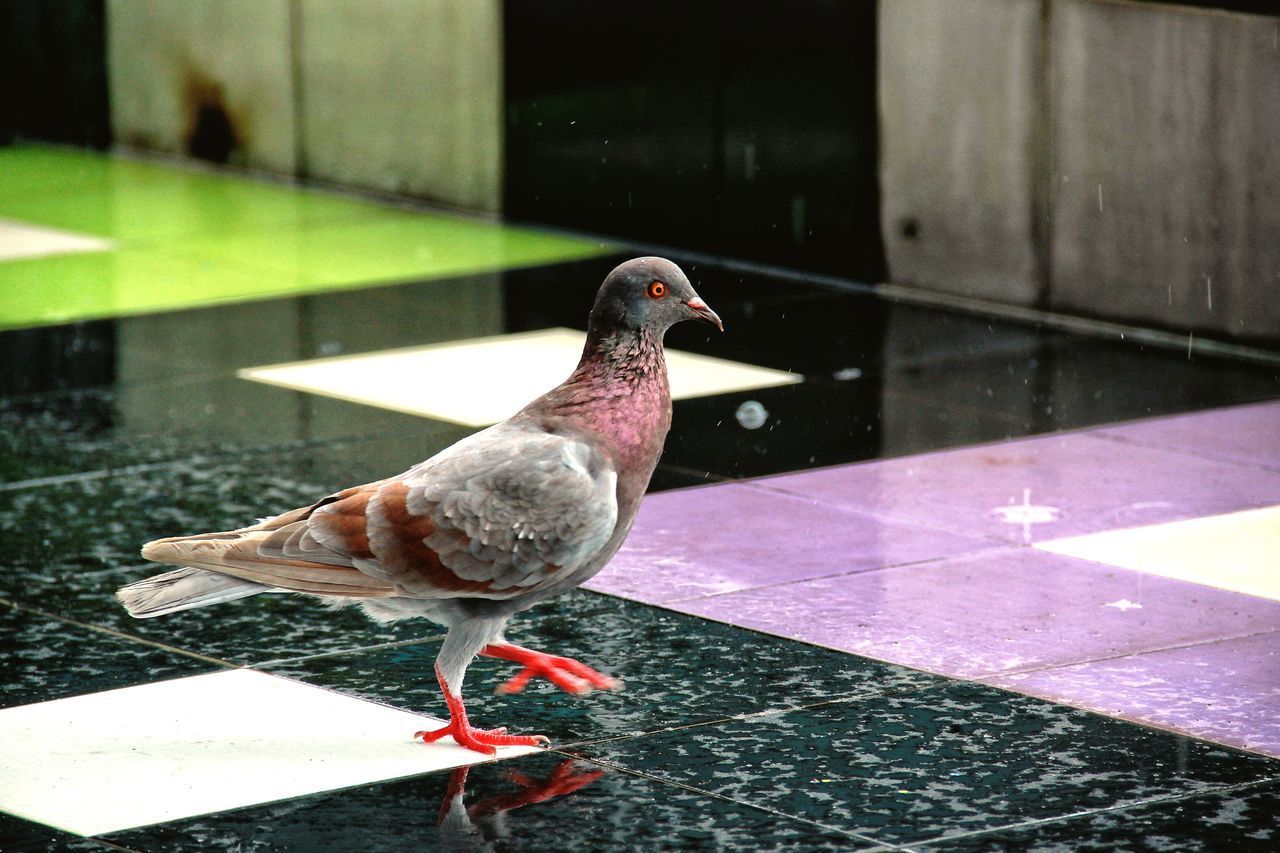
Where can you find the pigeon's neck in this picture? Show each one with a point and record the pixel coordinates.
(619, 392)
(627, 356)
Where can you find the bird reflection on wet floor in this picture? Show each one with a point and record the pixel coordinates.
(486, 820)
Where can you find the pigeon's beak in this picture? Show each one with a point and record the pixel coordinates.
(703, 311)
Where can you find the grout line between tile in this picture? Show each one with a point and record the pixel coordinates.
(111, 845)
(391, 644)
(987, 677)
(1105, 433)
(759, 484)
(951, 678)
(995, 549)
(210, 455)
(708, 476)
(120, 634)
(618, 768)
(82, 476)
(843, 699)
(1119, 807)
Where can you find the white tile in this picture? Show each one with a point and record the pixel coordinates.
(19, 240)
(176, 749)
(481, 381)
(1239, 551)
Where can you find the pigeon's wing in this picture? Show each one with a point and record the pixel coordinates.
(514, 510)
(500, 514)
(259, 554)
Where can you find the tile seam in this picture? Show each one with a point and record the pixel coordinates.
(846, 699)
(102, 629)
(992, 551)
(985, 681)
(758, 484)
(619, 768)
(1105, 433)
(1213, 791)
(1191, 644)
(356, 650)
(210, 455)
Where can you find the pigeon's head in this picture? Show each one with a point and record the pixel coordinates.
(648, 293)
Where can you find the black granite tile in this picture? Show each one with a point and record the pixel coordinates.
(1077, 382)
(677, 669)
(67, 547)
(912, 766)
(56, 434)
(23, 836)
(794, 427)
(537, 802)
(882, 377)
(1232, 820)
(47, 659)
(673, 477)
(214, 341)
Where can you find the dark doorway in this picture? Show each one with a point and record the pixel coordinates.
(746, 129)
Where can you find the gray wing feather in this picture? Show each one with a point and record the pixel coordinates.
(516, 506)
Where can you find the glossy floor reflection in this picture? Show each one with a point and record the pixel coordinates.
(731, 734)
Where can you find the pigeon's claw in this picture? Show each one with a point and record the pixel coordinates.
(569, 675)
(481, 740)
(465, 735)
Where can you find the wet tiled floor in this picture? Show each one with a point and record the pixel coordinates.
(853, 634)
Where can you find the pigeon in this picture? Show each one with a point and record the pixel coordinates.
(488, 527)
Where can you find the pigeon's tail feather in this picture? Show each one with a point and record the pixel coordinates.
(183, 589)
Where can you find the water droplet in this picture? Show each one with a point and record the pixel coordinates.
(751, 415)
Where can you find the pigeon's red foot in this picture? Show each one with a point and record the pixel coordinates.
(569, 675)
(480, 740)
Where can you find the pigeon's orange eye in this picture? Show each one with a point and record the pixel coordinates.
(657, 290)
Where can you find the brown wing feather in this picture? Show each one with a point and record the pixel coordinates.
(326, 549)
(398, 539)
(259, 554)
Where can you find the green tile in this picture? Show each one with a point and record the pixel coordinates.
(905, 767)
(47, 291)
(537, 803)
(392, 246)
(188, 239)
(35, 171)
(183, 205)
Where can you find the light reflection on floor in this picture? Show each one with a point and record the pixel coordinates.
(841, 640)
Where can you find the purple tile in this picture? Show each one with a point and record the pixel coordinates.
(1227, 692)
(979, 614)
(1248, 434)
(1075, 483)
(721, 538)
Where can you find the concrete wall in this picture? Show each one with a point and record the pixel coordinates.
(392, 95)
(959, 89)
(1166, 203)
(167, 62)
(1095, 157)
(404, 97)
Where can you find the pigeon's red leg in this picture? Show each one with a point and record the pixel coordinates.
(480, 740)
(569, 675)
